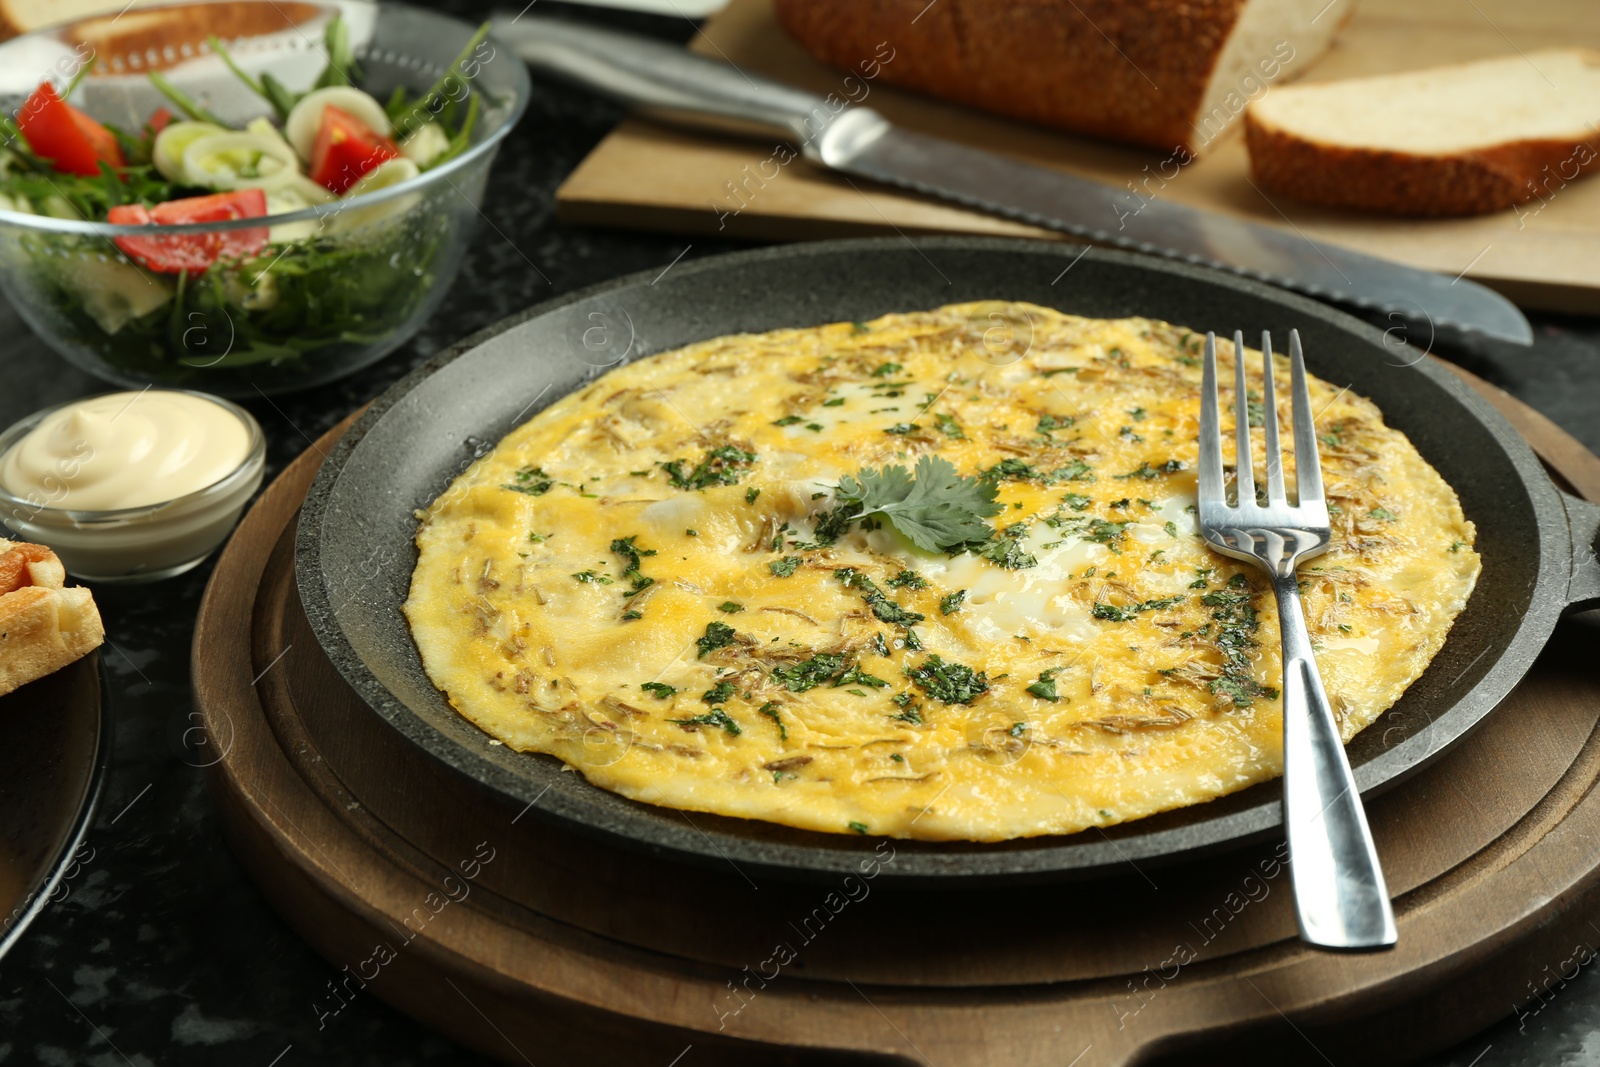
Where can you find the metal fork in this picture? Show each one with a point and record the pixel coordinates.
(1341, 900)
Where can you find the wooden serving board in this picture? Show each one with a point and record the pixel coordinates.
(1542, 255)
(531, 944)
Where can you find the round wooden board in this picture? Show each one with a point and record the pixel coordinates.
(523, 940)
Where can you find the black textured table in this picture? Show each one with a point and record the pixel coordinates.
(162, 952)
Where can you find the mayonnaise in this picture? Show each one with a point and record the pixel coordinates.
(125, 450)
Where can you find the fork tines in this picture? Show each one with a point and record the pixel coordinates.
(1308, 468)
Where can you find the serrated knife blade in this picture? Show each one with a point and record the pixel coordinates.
(683, 88)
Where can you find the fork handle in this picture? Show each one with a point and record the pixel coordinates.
(1341, 900)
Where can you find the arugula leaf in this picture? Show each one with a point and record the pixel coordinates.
(937, 509)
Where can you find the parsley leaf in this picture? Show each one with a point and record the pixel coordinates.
(718, 635)
(715, 717)
(951, 683)
(936, 509)
(1045, 687)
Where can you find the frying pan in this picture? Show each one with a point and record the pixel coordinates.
(354, 550)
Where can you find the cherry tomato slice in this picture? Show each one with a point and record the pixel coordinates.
(193, 252)
(345, 150)
(59, 132)
(160, 119)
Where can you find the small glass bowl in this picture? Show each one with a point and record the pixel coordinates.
(142, 544)
(338, 286)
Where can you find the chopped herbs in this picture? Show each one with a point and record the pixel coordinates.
(1237, 624)
(1076, 471)
(718, 694)
(787, 420)
(950, 683)
(715, 717)
(721, 466)
(730, 606)
(950, 427)
(886, 369)
(836, 402)
(631, 553)
(717, 635)
(858, 827)
(856, 676)
(913, 642)
(1045, 687)
(751, 494)
(1077, 501)
(1171, 528)
(937, 508)
(951, 603)
(784, 567)
(908, 580)
(1114, 613)
(1010, 469)
(770, 710)
(807, 674)
(1006, 549)
(879, 645)
(662, 690)
(1148, 472)
(1383, 513)
(1050, 423)
(1457, 546)
(592, 578)
(532, 481)
(902, 428)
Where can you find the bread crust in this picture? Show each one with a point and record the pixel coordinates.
(1475, 182)
(1126, 70)
(162, 39)
(43, 625)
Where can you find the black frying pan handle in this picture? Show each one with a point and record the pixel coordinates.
(1583, 518)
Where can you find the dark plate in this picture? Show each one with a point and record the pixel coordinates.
(55, 744)
(354, 551)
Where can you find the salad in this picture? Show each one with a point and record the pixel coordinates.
(278, 293)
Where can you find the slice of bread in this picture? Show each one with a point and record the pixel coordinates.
(1171, 74)
(1458, 140)
(43, 625)
(145, 35)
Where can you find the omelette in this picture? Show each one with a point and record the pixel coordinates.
(934, 576)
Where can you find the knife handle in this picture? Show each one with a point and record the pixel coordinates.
(664, 81)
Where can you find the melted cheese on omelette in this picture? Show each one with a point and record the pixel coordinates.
(656, 581)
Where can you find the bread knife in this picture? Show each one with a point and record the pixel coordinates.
(671, 84)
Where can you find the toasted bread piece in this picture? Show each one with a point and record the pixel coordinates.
(1171, 74)
(43, 625)
(1464, 139)
(144, 35)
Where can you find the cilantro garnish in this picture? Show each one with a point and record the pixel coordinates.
(1114, 613)
(908, 580)
(784, 567)
(532, 481)
(1049, 423)
(936, 509)
(950, 683)
(807, 674)
(631, 553)
(721, 466)
(714, 717)
(1005, 548)
(787, 420)
(770, 710)
(1383, 513)
(1045, 687)
(592, 577)
(1148, 472)
(718, 694)
(886, 369)
(858, 827)
(718, 635)
(950, 604)
(730, 606)
(662, 690)
(950, 427)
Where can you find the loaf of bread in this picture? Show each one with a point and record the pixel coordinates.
(1457, 140)
(116, 29)
(43, 625)
(1171, 74)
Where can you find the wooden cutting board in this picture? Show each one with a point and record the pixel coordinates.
(1545, 254)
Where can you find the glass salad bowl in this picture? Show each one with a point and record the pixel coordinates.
(204, 195)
